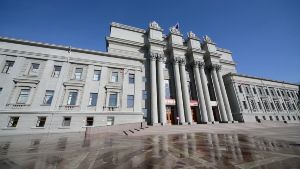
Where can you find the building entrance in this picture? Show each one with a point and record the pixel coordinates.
(194, 114)
(216, 113)
(170, 115)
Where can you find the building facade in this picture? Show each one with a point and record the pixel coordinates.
(144, 75)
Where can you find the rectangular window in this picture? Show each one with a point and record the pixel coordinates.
(282, 93)
(240, 89)
(97, 75)
(93, 99)
(288, 93)
(48, 97)
(278, 93)
(283, 105)
(113, 98)
(245, 105)
(23, 97)
(78, 73)
(41, 121)
(265, 103)
(272, 105)
(131, 78)
(253, 104)
(247, 90)
(260, 91)
(56, 71)
(267, 91)
(89, 121)
(8, 66)
(167, 89)
(254, 90)
(144, 95)
(278, 105)
(114, 77)
(259, 105)
(13, 121)
(34, 68)
(272, 92)
(145, 113)
(72, 98)
(130, 101)
(110, 120)
(66, 121)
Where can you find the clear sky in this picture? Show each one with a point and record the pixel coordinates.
(264, 35)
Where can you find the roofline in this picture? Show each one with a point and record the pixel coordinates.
(62, 47)
(260, 78)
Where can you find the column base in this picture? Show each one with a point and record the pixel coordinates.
(192, 123)
(233, 122)
(155, 124)
(183, 123)
(165, 124)
(203, 122)
(223, 121)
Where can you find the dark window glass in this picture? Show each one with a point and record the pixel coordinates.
(8, 66)
(89, 121)
(72, 98)
(131, 78)
(93, 99)
(48, 97)
(13, 121)
(41, 121)
(113, 100)
(130, 101)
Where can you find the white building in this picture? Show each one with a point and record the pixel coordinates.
(144, 75)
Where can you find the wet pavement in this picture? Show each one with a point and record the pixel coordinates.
(189, 150)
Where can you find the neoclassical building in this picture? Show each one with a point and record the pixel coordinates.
(144, 75)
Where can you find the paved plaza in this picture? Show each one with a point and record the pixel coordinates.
(197, 146)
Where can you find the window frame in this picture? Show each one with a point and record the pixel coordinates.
(130, 101)
(41, 120)
(91, 99)
(78, 75)
(70, 98)
(89, 119)
(48, 95)
(8, 66)
(22, 95)
(64, 121)
(56, 73)
(110, 99)
(97, 77)
(11, 123)
(114, 78)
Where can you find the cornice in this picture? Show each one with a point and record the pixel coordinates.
(176, 46)
(259, 78)
(26, 80)
(124, 41)
(157, 42)
(127, 27)
(224, 50)
(227, 62)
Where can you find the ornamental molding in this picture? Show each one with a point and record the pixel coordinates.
(192, 35)
(179, 60)
(207, 39)
(155, 25)
(216, 67)
(175, 31)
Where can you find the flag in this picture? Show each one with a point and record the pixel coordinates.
(177, 26)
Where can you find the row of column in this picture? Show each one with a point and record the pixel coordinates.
(182, 93)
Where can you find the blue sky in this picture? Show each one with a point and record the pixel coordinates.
(264, 35)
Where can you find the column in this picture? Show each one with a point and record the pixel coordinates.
(179, 102)
(224, 95)
(154, 118)
(218, 92)
(185, 93)
(201, 100)
(161, 91)
(206, 93)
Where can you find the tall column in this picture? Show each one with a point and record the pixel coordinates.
(154, 118)
(161, 91)
(218, 92)
(185, 93)
(179, 102)
(200, 95)
(206, 93)
(225, 97)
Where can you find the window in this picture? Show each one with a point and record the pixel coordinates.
(259, 105)
(130, 101)
(254, 90)
(282, 93)
(114, 77)
(1, 90)
(48, 97)
(8, 66)
(267, 91)
(278, 93)
(78, 73)
(265, 103)
(145, 113)
(144, 94)
(272, 92)
(294, 106)
(89, 121)
(289, 118)
(253, 104)
(260, 91)
(93, 99)
(247, 90)
(167, 89)
(66, 121)
(289, 105)
(240, 89)
(113, 98)
(278, 105)
(294, 117)
(34, 68)
(41, 121)
(13, 121)
(23, 97)
(283, 118)
(72, 98)
(110, 120)
(245, 105)
(272, 105)
(283, 105)
(97, 75)
(131, 78)
(271, 118)
(56, 71)
(288, 93)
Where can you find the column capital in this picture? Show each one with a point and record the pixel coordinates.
(161, 58)
(179, 60)
(198, 63)
(153, 56)
(216, 67)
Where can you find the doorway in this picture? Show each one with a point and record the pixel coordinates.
(194, 114)
(170, 115)
(216, 113)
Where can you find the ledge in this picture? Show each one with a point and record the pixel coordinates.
(37, 127)
(9, 128)
(67, 127)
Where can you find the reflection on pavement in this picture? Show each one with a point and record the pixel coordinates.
(192, 150)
